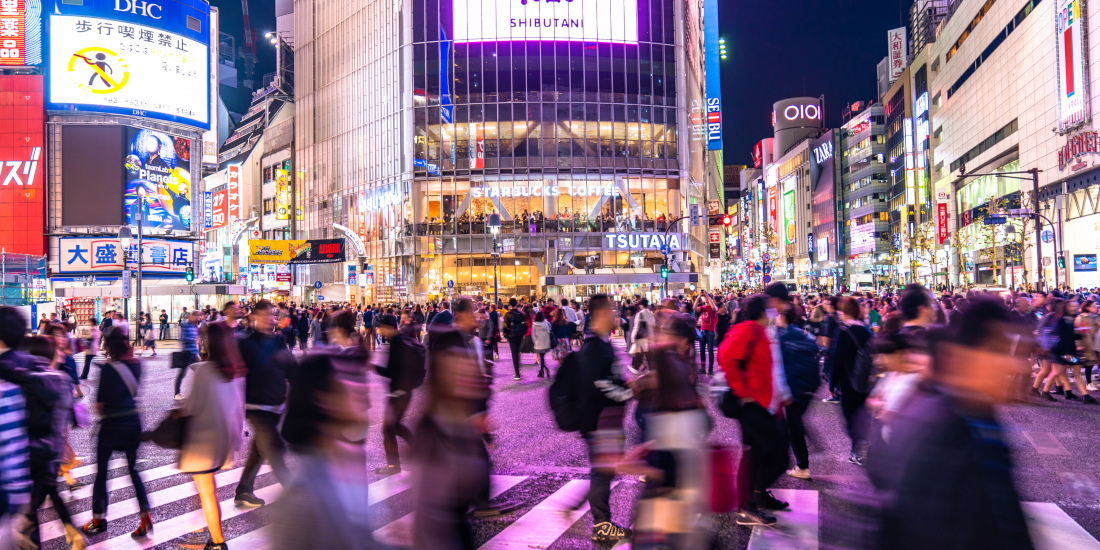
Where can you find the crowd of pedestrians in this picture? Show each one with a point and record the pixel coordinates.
(916, 377)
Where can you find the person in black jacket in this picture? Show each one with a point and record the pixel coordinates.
(303, 330)
(850, 338)
(944, 476)
(267, 359)
(602, 414)
(404, 377)
(515, 328)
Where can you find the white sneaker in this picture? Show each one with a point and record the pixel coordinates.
(799, 473)
(1092, 387)
(179, 397)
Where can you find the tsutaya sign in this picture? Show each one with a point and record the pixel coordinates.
(577, 190)
(643, 241)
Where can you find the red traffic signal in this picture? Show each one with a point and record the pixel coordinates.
(726, 220)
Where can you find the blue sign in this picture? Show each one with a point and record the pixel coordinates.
(320, 298)
(714, 52)
(431, 168)
(208, 210)
(106, 255)
(317, 285)
(696, 218)
(666, 249)
(450, 283)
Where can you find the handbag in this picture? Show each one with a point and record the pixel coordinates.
(170, 433)
(528, 345)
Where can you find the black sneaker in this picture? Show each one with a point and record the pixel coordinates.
(1089, 399)
(607, 532)
(211, 546)
(248, 500)
(749, 515)
(1058, 390)
(1071, 395)
(767, 501)
(388, 470)
(1034, 392)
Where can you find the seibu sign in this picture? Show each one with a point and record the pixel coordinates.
(1077, 146)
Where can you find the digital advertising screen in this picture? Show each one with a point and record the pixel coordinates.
(22, 165)
(132, 57)
(788, 217)
(577, 20)
(158, 169)
(1073, 100)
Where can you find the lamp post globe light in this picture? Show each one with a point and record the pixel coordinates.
(494, 228)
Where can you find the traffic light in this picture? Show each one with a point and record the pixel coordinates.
(190, 275)
(1061, 262)
(664, 271)
(726, 221)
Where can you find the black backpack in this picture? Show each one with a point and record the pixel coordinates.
(418, 359)
(565, 397)
(517, 328)
(860, 374)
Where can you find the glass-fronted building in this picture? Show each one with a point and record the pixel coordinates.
(581, 125)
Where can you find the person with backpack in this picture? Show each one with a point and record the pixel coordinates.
(850, 366)
(368, 324)
(405, 367)
(119, 430)
(515, 328)
(589, 396)
(803, 377)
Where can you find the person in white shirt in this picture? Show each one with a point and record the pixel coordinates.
(570, 313)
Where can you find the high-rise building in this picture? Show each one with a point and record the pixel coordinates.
(925, 17)
(421, 122)
(864, 193)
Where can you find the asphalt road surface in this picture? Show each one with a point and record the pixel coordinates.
(1056, 446)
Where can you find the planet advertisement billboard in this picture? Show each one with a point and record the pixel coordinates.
(158, 170)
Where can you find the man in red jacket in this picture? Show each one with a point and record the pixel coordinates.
(746, 357)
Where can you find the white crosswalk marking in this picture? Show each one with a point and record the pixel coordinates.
(260, 539)
(178, 526)
(1051, 528)
(546, 522)
(387, 487)
(399, 532)
(796, 529)
(125, 508)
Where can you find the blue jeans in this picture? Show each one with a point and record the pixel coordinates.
(708, 342)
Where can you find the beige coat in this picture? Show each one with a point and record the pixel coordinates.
(216, 429)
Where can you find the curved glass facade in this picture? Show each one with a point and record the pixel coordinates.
(567, 141)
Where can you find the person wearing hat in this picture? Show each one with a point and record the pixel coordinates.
(405, 369)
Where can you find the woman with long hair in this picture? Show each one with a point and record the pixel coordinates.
(541, 332)
(562, 333)
(215, 424)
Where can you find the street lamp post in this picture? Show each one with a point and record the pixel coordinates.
(124, 236)
(494, 228)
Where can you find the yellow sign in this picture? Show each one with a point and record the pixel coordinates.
(98, 70)
(275, 252)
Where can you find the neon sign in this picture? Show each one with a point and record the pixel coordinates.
(795, 112)
(532, 20)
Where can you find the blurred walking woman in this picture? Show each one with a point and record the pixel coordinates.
(216, 422)
(119, 429)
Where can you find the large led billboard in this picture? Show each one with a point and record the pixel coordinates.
(132, 57)
(518, 20)
(158, 169)
(22, 165)
(1070, 35)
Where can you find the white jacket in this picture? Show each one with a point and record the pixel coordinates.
(643, 316)
(216, 428)
(540, 332)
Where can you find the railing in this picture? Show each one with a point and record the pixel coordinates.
(455, 227)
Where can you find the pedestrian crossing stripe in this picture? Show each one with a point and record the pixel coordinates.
(543, 524)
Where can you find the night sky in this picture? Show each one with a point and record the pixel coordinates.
(261, 14)
(792, 48)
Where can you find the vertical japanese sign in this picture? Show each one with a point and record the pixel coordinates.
(1071, 34)
(219, 210)
(898, 44)
(773, 209)
(207, 210)
(234, 190)
(713, 75)
(13, 32)
(282, 194)
(941, 221)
